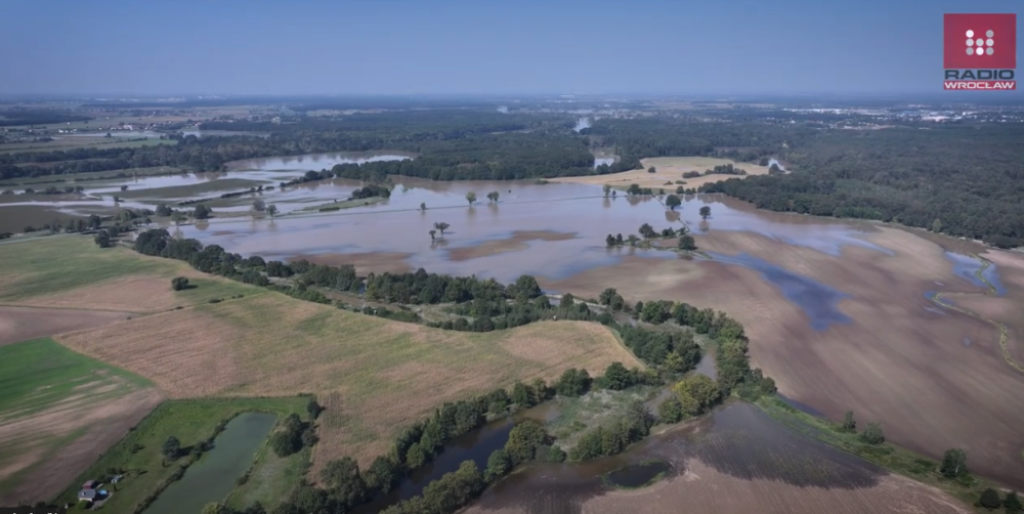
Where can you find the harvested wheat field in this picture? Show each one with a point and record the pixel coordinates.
(376, 375)
(669, 169)
(59, 411)
(935, 379)
(24, 323)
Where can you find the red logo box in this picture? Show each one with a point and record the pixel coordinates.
(990, 39)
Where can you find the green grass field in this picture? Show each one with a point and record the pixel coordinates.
(69, 263)
(191, 421)
(43, 377)
(344, 204)
(71, 142)
(88, 177)
(206, 188)
(14, 218)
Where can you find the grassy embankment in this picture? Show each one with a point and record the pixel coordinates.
(344, 204)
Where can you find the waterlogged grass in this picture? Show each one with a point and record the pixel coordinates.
(889, 456)
(271, 478)
(191, 421)
(90, 176)
(189, 191)
(578, 415)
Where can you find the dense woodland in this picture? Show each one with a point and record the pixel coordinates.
(961, 180)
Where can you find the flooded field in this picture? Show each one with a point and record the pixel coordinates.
(316, 162)
(738, 455)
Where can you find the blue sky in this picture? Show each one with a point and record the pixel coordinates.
(481, 46)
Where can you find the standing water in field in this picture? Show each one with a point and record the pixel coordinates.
(966, 267)
(213, 477)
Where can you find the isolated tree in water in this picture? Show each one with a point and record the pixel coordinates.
(954, 463)
(705, 212)
(687, 243)
(432, 232)
(607, 190)
(271, 210)
(423, 206)
(201, 212)
(471, 197)
(441, 227)
(673, 201)
(493, 196)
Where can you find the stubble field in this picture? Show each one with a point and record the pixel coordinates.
(375, 376)
(668, 169)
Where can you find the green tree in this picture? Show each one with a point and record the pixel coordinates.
(670, 411)
(609, 241)
(441, 227)
(873, 434)
(523, 441)
(179, 283)
(471, 197)
(673, 201)
(687, 243)
(102, 239)
(382, 475)
(498, 465)
(493, 196)
(705, 212)
(343, 480)
(954, 463)
(849, 424)
(701, 388)
(990, 499)
(415, 456)
(647, 231)
(1012, 503)
(258, 206)
(313, 408)
(617, 377)
(216, 508)
(171, 448)
(272, 210)
(201, 212)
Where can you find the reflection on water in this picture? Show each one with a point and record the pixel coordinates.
(316, 162)
(819, 301)
(966, 267)
(738, 440)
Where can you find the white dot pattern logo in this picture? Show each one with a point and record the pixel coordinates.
(977, 46)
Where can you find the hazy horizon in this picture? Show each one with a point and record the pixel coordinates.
(453, 47)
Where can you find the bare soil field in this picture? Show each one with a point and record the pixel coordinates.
(933, 381)
(668, 169)
(517, 242)
(376, 375)
(24, 323)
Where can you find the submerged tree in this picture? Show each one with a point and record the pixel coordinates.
(705, 212)
(673, 201)
(432, 234)
(423, 206)
(271, 210)
(687, 243)
(493, 196)
(441, 227)
(607, 190)
(471, 197)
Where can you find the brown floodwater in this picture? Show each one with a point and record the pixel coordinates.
(738, 440)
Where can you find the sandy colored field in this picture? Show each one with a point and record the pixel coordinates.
(377, 376)
(896, 363)
(517, 242)
(669, 169)
(24, 323)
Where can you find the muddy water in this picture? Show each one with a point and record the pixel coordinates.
(316, 162)
(737, 439)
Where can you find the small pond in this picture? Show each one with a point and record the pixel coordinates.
(213, 477)
(638, 475)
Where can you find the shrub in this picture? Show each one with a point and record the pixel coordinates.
(990, 499)
(873, 434)
(179, 283)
